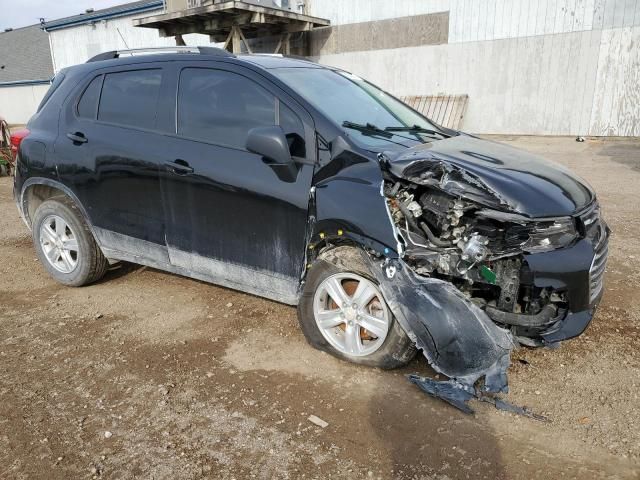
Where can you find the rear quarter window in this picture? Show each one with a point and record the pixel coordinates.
(55, 84)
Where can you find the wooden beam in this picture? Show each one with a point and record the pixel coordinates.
(155, 21)
(243, 39)
(229, 37)
(279, 46)
(236, 39)
(218, 27)
(210, 26)
(258, 17)
(299, 27)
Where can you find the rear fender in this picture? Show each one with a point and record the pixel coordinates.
(23, 199)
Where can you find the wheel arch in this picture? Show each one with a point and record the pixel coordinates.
(37, 190)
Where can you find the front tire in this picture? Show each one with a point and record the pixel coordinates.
(342, 312)
(65, 245)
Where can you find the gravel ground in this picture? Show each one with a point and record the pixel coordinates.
(150, 375)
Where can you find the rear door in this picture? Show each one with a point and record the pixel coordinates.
(111, 133)
(231, 216)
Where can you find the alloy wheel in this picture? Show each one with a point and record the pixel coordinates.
(59, 244)
(351, 314)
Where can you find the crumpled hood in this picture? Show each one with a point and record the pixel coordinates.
(516, 180)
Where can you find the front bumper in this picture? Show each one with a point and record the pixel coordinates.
(578, 272)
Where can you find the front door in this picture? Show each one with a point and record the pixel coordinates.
(231, 217)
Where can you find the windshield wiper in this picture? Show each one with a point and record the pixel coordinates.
(368, 129)
(416, 129)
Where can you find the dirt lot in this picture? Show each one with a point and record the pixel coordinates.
(150, 375)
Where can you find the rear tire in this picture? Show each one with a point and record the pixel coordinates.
(65, 245)
(392, 348)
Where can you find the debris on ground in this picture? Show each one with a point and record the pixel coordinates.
(318, 421)
(458, 395)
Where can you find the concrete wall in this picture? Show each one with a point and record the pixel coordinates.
(415, 30)
(552, 67)
(74, 45)
(18, 103)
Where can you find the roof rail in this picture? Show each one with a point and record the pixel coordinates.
(133, 51)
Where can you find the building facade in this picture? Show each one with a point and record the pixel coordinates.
(25, 72)
(76, 39)
(535, 67)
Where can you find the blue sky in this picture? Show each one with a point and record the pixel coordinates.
(16, 14)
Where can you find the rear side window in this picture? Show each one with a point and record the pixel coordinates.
(130, 98)
(221, 107)
(88, 104)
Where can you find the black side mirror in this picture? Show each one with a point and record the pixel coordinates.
(271, 143)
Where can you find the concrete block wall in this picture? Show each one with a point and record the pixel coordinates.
(544, 67)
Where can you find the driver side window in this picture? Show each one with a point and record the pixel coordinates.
(221, 107)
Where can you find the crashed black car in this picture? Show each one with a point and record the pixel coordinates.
(312, 187)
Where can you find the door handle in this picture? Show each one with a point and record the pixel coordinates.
(77, 137)
(179, 167)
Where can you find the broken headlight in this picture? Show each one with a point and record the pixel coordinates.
(550, 235)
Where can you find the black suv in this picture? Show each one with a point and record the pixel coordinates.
(312, 187)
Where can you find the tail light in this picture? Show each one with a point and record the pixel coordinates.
(16, 139)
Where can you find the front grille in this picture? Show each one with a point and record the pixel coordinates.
(595, 230)
(598, 266)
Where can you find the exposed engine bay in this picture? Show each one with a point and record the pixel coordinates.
(478, 249)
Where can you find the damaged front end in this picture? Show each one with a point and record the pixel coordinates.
(529, 275)
(482, 248)
(477, 277)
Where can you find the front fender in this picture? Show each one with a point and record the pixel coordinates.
(349, 202)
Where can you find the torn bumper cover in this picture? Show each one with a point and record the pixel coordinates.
(458, 339)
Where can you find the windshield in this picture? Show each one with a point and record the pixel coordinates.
(344, 97)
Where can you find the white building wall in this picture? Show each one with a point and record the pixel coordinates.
(74, 45)
(548, 67)
(20, 102)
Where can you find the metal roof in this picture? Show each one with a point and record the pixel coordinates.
(104, 14)
(25, 56)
